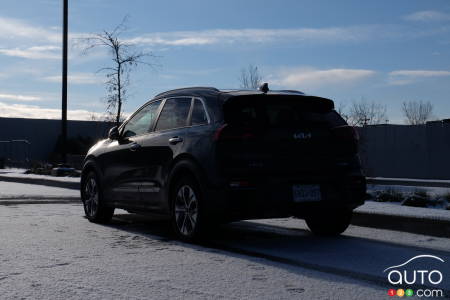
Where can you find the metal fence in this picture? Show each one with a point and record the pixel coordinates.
(406, 151)
(15, 153)
(23, 141)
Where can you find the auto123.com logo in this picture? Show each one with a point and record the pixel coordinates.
(407, 278)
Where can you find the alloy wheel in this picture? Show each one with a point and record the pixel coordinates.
(91, 195)
(186, 210)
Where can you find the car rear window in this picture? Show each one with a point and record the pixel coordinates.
(279, 112)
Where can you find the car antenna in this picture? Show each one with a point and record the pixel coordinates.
(264, 87)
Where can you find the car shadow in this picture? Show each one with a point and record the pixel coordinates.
(342, 259)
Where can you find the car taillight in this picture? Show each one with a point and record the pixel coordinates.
(226, 132)
(345, 133)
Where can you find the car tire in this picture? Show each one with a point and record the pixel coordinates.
(186, 209)
(329, 223)
(92, 197)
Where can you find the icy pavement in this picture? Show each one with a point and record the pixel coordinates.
(12, 190)
(52, 252)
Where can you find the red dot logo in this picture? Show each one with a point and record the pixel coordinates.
(392, 292)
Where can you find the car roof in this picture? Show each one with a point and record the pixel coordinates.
(211, 91)
(214, 94)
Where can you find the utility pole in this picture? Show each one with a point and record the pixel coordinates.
(64, 83)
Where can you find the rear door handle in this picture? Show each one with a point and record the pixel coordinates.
(134, 146)
(175, 140)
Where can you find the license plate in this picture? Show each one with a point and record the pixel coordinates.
(306, 193)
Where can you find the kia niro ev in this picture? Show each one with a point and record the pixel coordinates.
(202, 156)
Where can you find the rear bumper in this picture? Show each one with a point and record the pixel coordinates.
(271, 198)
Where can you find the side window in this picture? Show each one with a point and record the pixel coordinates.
(198, 113)
(174, 113)
(140, 122)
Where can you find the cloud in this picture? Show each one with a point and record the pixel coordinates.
(36, 112)
(11, 29)
(230, 36)
(291, 35)
(309, 78)
(76, 78)
(428, 15)
(19, 97)
(419, 73)
(403, 77)
(36, 52)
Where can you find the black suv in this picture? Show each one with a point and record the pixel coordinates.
(203, 156)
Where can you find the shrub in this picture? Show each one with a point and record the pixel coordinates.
(389, 195)
(420, 198)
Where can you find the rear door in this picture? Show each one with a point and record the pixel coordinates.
(164, 143)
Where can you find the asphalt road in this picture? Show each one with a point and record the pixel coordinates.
(50, 251)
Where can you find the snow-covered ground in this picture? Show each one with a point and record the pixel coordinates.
(398, 210)
(52, 252)
(12, 190)
(407, 190)
(20, 173)
(418, 181)
(438, 196)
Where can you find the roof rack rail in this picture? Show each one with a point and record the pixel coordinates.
(188, 88)
(291, 91)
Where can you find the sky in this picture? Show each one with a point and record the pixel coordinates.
(387, 52)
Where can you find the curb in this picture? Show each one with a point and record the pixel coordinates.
(36, 200)
(42, 181)
(417, 225)
(407, 183)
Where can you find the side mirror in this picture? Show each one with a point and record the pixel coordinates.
(113, 133)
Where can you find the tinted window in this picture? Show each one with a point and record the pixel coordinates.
(174, 113)
(140, 122)
(279, 112)
(198, 113)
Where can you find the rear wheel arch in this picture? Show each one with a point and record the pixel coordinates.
(185, 165)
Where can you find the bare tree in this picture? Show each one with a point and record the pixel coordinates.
(363, 113)
(417, 112)
(250, 77)
(341, 109)
(125, 58)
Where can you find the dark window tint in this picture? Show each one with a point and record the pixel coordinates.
(280, 112)
(174, 113)
(198, 113)
(140, 122)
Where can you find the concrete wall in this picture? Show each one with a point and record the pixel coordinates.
(42, 135)
(405, 151)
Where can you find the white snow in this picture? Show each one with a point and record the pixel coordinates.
(19, 173)
(53, 252)
(435, 191)
(399, 210)
(410, 179)
(14, 190)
